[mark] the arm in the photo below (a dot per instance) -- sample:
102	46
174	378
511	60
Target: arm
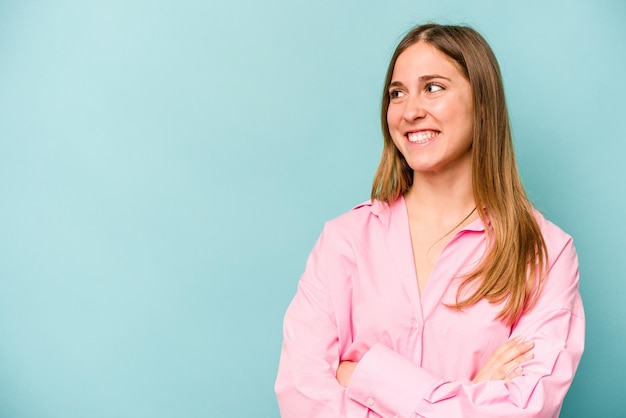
307	382
503	364
306	385
392	385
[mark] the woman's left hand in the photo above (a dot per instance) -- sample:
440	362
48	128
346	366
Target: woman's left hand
344	372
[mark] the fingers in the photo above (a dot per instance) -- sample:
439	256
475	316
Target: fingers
515	352
513	369
505	362
516	372
512	349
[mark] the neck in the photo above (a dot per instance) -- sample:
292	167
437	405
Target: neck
441	197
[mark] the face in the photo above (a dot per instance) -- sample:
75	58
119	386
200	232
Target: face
430	113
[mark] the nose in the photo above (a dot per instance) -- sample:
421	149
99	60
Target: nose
413	109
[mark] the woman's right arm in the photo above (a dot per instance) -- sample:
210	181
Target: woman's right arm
306	385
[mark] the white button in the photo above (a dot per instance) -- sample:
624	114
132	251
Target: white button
370	401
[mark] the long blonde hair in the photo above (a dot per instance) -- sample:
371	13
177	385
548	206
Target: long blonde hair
512	270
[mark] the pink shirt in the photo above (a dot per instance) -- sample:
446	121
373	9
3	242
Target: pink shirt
358	300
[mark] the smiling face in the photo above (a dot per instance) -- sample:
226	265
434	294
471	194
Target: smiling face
430	113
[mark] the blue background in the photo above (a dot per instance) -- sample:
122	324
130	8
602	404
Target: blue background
166	166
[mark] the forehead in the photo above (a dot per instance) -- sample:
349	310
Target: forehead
422	59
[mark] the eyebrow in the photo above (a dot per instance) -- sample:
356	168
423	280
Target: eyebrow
423	78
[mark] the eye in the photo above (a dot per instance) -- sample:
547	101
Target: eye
395	94
433	87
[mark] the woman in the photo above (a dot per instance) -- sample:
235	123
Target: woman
446	295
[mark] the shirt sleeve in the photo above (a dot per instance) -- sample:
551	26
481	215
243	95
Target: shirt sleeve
306	385
393	386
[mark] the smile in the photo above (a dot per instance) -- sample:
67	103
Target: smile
421	137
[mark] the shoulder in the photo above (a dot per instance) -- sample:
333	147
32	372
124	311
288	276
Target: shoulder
562	256
360	224
363	217
356	216
555	238
341	239
560	289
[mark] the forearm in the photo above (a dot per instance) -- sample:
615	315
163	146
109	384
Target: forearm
392	385
306	386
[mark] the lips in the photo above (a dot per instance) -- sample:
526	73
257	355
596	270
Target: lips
422	137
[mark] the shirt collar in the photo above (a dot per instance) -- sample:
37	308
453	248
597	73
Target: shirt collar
384	211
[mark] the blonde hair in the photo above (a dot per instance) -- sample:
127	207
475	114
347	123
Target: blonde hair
512	270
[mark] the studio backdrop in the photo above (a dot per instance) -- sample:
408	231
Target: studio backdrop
166	166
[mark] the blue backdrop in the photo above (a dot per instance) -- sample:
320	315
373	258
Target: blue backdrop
166	166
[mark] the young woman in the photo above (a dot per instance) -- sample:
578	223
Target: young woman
446	295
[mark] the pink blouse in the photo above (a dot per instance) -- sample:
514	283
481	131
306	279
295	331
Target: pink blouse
358	300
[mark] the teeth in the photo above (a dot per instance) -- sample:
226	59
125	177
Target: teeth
422	136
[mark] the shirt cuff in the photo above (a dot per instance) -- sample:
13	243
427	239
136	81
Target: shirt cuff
389	384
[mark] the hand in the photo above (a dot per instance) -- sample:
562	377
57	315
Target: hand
504	363
344	372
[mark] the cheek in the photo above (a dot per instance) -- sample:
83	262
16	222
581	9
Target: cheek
393	117
467	110
447	111
469	124
457	115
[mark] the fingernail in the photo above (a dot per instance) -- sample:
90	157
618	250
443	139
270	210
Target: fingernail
529	343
